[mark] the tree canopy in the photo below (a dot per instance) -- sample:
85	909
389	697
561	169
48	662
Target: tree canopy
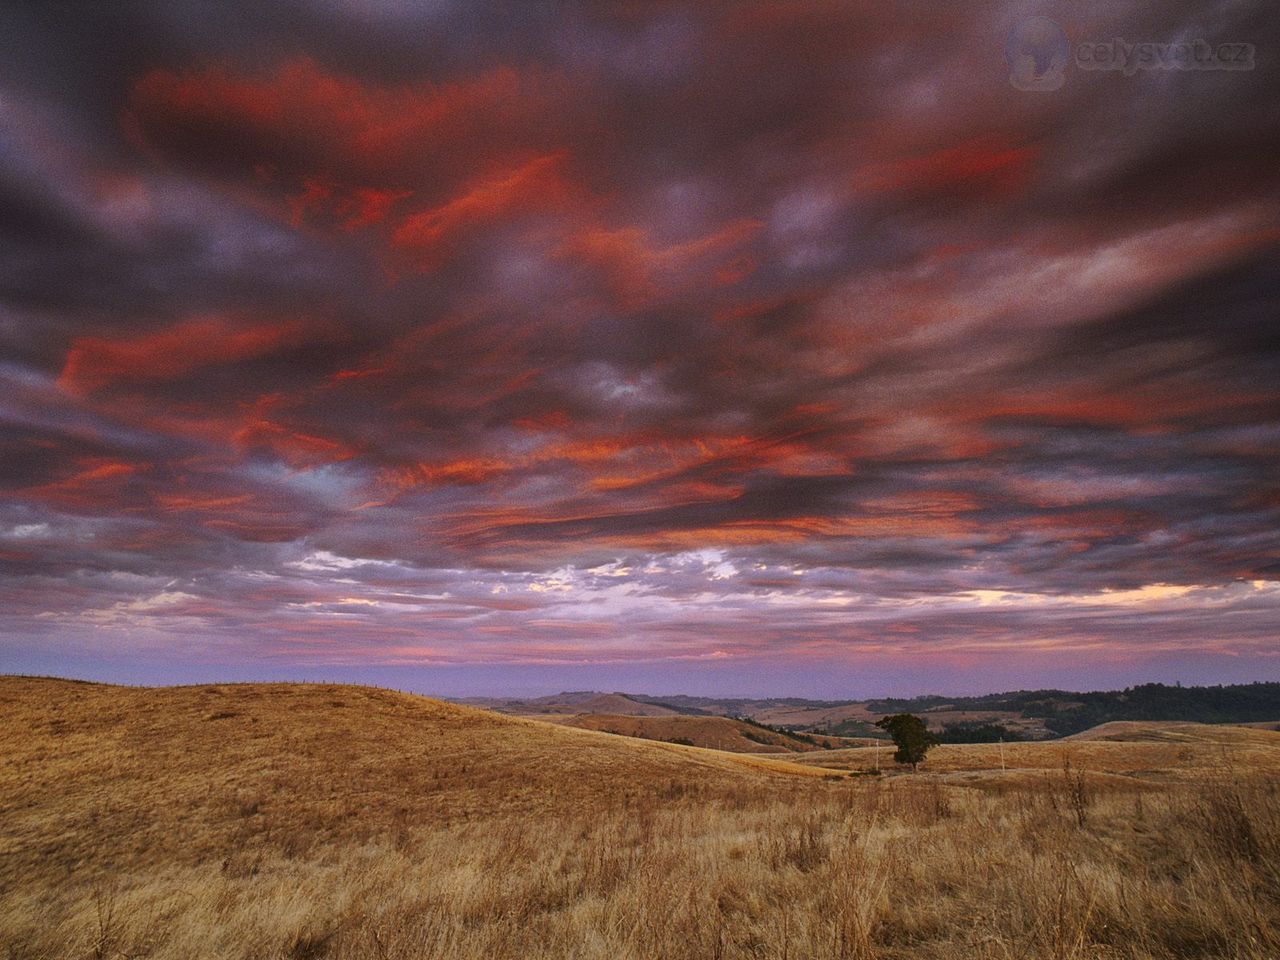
910	735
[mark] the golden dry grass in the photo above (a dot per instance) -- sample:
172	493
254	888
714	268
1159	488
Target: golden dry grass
1136	754
273	821
570	704
716	733
791	715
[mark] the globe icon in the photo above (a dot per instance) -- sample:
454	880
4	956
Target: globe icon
1037	52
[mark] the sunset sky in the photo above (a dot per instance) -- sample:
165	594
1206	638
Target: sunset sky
739	347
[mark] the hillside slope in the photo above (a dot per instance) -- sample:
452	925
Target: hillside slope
1138	751
574	702
274	822
716	733
1172	731
94	775
615	703
1031	714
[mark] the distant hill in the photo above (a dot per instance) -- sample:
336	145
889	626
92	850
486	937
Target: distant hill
1063	712
717	733
1020	714
575	702
1179	731
738	706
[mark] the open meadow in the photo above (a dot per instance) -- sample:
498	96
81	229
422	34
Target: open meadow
309	821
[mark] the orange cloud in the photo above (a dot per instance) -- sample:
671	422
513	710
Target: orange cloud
201	501
653	470
1150	407
360	373
339	149
466	472
95	481
260	427
366	206
985	164
532	185
636	269
96	362
273	423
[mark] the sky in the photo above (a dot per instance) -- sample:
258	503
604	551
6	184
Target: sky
806	348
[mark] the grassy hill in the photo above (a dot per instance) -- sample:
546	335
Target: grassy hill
291	767
1128	756
300	822
717	733
575	702
1022	714
1231	736
1063	712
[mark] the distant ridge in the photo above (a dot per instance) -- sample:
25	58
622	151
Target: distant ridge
1024	714
575	702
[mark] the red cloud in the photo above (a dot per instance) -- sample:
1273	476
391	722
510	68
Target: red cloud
636	269
95	481
264	425
204	501
983	164
95	362
336	147
535	184
366	206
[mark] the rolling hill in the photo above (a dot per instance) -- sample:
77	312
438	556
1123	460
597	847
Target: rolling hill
1126	754
94	774
1023	714
1231	735
575	702
304	822
717	733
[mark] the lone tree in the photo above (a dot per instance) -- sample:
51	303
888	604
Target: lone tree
910	735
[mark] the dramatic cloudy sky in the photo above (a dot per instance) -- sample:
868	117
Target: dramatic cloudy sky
744	347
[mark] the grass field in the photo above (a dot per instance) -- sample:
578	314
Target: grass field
717	733
277	821
1126	755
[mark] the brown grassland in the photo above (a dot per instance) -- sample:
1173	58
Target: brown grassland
719	733
310	821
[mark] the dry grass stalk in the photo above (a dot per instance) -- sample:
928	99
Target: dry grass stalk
268	823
